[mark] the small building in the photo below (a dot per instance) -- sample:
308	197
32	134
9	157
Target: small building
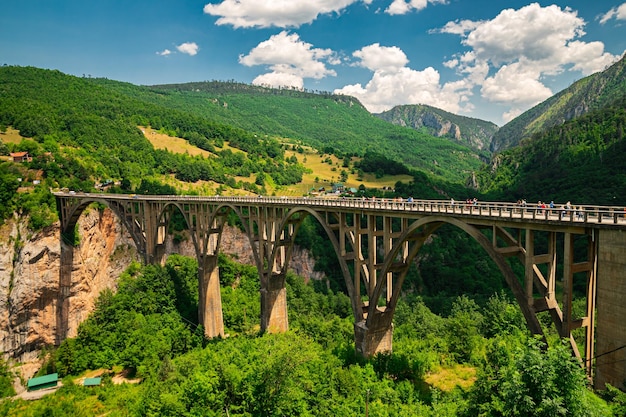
42	382
21	157
92	382
338	187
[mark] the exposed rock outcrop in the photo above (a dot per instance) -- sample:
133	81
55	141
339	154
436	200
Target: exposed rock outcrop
29	274
29	281
467	131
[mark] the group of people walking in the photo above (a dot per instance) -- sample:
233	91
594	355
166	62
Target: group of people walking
565	210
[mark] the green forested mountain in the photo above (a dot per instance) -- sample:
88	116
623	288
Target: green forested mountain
337	124
69	110
588	94
87	131
97	129
582	160
467	131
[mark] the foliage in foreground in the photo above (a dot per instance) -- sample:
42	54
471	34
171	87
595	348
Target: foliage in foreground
311	370
520	379
6	380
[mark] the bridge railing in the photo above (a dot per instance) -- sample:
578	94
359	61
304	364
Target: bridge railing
559	213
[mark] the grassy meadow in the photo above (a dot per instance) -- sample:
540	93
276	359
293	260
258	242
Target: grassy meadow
322	170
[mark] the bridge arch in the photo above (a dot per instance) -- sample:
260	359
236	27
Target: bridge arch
68	226
69	219
164	220
345	270
430	224
271	223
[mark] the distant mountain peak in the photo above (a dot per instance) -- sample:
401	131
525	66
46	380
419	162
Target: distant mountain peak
583	96
467	131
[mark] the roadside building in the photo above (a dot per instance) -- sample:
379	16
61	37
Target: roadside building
92	382
21	157
43	382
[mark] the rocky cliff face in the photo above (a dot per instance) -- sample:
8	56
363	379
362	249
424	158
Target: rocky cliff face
467	131
29	279
29	275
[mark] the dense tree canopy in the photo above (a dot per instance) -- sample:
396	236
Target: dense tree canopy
148	326
579	161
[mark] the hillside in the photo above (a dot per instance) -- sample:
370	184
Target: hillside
588	94
81	132
330	123
581	160
467	131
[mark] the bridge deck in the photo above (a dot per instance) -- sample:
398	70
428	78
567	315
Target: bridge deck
582	215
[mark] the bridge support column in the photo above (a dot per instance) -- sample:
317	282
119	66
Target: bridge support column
373	339
274	304
155	230
65	284
210	298
158	258
610	349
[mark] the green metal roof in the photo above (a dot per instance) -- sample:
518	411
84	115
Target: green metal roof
43	380
90	382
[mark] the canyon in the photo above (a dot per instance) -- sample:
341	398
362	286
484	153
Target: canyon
29	274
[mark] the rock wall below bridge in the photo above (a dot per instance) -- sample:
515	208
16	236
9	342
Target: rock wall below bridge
29	274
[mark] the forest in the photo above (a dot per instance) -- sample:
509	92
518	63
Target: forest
580	160
149	327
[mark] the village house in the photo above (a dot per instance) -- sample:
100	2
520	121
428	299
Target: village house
338	188
21	157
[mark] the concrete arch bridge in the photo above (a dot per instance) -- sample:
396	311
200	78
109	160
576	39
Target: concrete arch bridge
376	241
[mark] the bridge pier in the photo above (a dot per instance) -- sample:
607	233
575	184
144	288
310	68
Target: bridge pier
274	318
376	242
65	284
610	362
377	337
209	297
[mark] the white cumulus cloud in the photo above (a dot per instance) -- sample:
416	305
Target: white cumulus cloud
290	60
164	52
278	13
507	116
458	27
617	13
382	58
394	83
189	48
510	55
279	79
406	6
515	84
533	32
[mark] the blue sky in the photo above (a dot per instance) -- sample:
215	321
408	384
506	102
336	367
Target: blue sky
490	59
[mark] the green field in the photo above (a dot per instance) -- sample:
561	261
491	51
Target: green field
321	173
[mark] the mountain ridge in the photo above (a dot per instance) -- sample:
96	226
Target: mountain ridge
589	93
472	132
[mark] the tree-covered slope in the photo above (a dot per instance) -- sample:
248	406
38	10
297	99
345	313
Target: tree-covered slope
68	115
467	131
84	133
582	160
338	124
478	360
590	93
